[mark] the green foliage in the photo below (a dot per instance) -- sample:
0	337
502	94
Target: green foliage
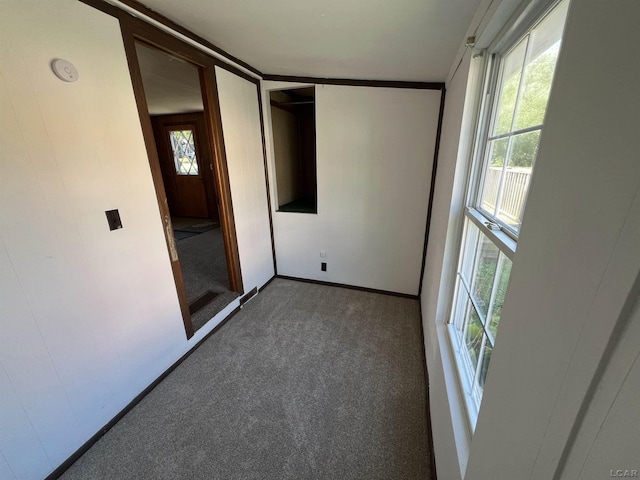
531	108
501	291
474	340
484	281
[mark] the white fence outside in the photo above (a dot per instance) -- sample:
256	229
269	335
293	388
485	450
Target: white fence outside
510	195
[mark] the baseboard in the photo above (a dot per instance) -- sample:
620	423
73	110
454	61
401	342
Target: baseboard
432	457
267	283
351	287
89	443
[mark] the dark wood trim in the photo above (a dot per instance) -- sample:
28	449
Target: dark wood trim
249	296
432	456
164	41
202	301
223	185
134	30
156	173
434	171
162	125
266	178
350	287
267	283
356	83
111	423
103	7
153	36
136	5
186	32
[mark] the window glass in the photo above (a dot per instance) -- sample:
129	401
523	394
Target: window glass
540	66
184	152
484	272
493	176
482	371
473	337
516	106
522	94
509	83
498	293
515	179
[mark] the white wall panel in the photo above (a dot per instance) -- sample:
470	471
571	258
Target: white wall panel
450	431
374	158
14	420
608	437
578	255
575	270
5	470
88	317
239	109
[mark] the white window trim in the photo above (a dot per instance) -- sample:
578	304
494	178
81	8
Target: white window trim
497	234
523	18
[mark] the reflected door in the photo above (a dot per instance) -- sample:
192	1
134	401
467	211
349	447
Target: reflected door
185	167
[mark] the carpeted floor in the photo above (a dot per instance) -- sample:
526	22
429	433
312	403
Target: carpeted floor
305	382
204	267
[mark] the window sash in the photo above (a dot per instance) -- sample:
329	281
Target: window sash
501	234
466	305
487	132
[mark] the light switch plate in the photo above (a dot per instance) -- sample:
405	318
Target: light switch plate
113	218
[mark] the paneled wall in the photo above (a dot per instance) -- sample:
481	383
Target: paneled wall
375	151
90	317
560	400
578	257
450	434
240	112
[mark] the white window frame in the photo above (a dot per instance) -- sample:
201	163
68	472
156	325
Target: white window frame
504	237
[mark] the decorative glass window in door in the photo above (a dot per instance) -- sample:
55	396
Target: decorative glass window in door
184	152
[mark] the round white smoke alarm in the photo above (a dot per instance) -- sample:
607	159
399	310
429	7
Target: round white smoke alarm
64	70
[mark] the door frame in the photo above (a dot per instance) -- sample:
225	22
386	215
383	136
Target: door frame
136	31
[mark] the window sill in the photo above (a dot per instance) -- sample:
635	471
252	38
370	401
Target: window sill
470	406
462	432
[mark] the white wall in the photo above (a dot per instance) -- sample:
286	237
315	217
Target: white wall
574	273
239	108
577	230
451	434
374	156
608	437
88	317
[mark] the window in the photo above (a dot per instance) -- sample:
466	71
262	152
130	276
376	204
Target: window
518	83
294	143
184	152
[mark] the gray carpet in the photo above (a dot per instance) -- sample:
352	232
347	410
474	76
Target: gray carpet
306	382
204	267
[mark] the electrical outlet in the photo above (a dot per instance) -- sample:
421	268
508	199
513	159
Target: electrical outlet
323	266
323	254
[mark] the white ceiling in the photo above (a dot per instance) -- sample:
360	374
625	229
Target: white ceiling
413	40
